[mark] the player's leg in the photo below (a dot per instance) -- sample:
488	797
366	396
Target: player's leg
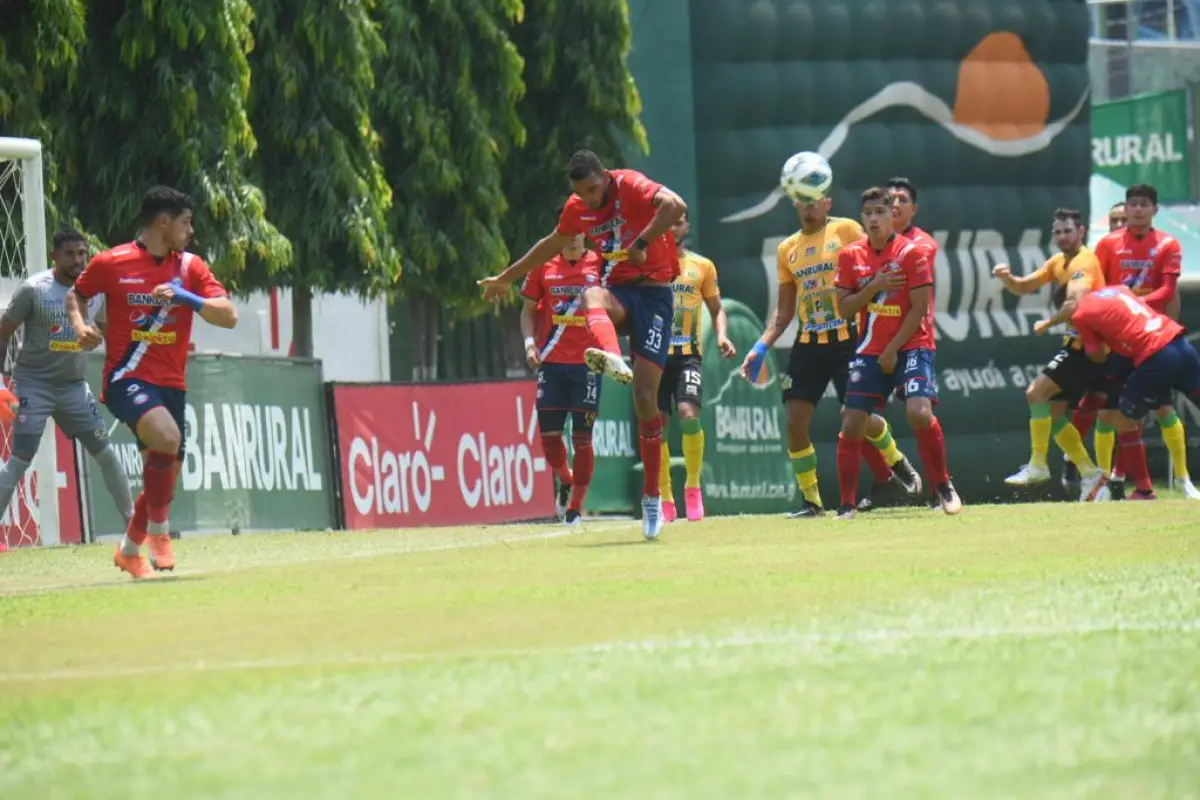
1084	419
1175	438
555	390
690	394
37	403
666	402
78	416
803	385
918	387
605	312
1038	394
1093	485
584	465
889	467
1111	384
867	389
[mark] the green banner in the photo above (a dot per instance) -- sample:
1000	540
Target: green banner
257	450
1144	139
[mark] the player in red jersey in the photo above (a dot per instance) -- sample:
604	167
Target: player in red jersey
152	288
1115	319
1147	261
887	278
556	336
629	217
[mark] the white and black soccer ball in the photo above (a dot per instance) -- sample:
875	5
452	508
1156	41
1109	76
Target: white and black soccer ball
806	177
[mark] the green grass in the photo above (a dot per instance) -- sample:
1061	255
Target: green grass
1031	651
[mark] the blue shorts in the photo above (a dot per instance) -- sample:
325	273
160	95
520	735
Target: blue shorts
130	399
1114	372
649	311
568	387
868	387
1150	386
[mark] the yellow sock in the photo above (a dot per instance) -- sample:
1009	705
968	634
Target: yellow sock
1068	438
1106	442
804	466
693	455
1175	438
1039	434
886	445
664	474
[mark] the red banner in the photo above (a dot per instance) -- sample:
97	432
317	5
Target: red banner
460	454
19	522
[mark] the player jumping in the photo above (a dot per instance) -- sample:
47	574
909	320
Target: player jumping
682	383
629	217
555	331
152	289
806	266
1070	374
1118	320
887	278
50	378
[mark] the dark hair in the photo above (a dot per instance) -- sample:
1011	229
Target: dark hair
876	194
583	164
905	184
1064	214
1142	190
1115	206
65	236
163	200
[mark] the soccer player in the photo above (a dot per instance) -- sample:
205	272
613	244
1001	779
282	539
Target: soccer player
1070	374
887	278
152	289
50	377
1116	319
806	266
682	385
904	208
1147	261
555	332
629	217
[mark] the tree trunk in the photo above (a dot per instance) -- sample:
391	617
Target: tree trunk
302	324
424	321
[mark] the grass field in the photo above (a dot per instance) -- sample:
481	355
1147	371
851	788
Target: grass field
1033	651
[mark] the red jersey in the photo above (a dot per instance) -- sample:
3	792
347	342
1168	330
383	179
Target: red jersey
1116	317
1140	262
560	326
858	263
616	226
145	338
921	238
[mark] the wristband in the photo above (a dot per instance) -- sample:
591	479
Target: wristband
529	342
758	358
186	298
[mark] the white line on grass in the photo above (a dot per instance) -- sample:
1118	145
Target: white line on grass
810	641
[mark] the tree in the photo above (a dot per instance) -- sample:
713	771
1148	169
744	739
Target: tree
319	165
449	83
160	97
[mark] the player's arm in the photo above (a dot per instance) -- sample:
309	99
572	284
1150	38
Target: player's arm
528	326
545	249
716	309
851	301
1024	284
1169	263
785	300
670	207
91	282
210	300
1110	266
19	309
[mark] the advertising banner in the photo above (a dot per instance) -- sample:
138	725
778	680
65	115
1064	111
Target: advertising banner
1144	139
19	525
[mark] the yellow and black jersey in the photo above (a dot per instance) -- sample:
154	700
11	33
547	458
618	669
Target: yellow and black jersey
696	283
810	261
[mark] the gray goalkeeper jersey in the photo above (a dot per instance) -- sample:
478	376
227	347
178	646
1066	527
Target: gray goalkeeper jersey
50	350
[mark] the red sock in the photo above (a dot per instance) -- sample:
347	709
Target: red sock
849	454
650	443
877	463
556	455
159	485
584	466
1133	459
1118	462
603	330
932	446
137	526
1083	420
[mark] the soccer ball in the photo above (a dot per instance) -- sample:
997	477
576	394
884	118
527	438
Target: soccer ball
806	177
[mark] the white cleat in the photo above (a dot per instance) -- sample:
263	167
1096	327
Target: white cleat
1028	475
652	518
1189	490
948	499
610	364
1093	488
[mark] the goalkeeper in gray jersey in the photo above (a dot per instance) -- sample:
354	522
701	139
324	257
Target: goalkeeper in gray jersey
50	379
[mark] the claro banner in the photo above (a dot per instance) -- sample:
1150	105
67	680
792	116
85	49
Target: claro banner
459	454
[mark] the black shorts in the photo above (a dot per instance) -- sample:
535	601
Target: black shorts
682	382
130	399
1111	380
811	368
1073	373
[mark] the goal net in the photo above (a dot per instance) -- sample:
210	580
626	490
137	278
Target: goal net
31	517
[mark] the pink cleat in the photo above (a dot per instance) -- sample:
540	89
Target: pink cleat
670	514
695	504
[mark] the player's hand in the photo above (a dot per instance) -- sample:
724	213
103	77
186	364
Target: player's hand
635	256
1002	271
494	288
887	361
89	337
164	292
726	347
532	357
1041	326
887	281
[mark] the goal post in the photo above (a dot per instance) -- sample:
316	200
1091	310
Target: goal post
32	515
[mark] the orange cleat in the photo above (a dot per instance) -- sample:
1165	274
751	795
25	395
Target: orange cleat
161	557
134	565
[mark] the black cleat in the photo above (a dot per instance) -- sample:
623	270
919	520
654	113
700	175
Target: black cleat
1070	477
572	517
561	501
846	513
1116	490
908	477
881	495
809	510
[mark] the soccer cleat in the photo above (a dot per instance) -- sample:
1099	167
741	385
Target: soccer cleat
1138	494
611	364
161	557
573	519
948	499
809	510
134	565
694	501
907	475
1188	488
561	499
1070	476
1093	488
652	519
1028	475
1116	490
670	513
880	495
846	513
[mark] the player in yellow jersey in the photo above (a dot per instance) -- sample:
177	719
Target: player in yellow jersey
1073	272
682	382
806	267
